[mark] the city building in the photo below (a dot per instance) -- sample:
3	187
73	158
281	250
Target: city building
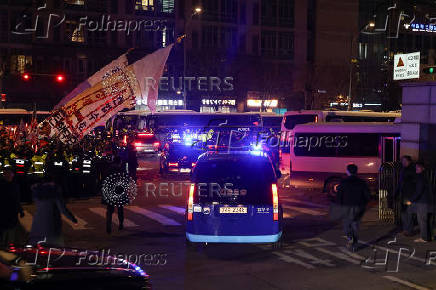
399	27
48	47
251	55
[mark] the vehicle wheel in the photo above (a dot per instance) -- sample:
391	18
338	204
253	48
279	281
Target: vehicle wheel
331	187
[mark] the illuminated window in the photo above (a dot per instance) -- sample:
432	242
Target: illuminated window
145	5
73	32
167	6
75	2
20	63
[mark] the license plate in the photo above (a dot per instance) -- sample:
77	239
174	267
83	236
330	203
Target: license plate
233	210
185	170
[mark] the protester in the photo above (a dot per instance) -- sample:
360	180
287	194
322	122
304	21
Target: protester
10	207
353	195
421	203
47	223
406	188
116	167
132	160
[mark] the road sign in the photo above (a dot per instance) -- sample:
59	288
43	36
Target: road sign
406	66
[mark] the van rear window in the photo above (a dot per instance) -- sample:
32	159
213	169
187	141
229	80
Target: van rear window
293	120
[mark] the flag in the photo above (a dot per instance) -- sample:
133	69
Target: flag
148	72
32	133
116	91
105	72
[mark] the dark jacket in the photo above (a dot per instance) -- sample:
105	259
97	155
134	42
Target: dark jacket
423	190
407	183
353	192
10	205
47	222
132	160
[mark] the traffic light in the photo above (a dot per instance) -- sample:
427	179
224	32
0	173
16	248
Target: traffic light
60	78
430	70
25	76
3	97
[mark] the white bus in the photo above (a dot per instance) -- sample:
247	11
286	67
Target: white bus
320	152
13	117
293	118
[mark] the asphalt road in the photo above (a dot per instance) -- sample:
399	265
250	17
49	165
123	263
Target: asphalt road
313	255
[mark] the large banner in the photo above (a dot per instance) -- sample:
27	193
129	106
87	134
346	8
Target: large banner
117	89
93	106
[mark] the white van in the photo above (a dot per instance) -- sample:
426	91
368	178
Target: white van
320	152
294	118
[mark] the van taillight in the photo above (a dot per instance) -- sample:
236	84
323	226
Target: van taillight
191	201
275	202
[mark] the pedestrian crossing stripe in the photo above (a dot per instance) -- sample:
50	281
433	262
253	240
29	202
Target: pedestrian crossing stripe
176	209
81	223
304	210
290	212
154	216
102	212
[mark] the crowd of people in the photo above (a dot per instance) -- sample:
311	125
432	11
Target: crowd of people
415	199
49	172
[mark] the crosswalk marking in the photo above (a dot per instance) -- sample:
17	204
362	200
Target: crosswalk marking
405	283
176	209
303	210
102	212
341	256
289	199
154	216
81	223
26	221
289	259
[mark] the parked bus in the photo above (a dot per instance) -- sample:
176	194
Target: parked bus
320	152
13	117
294	118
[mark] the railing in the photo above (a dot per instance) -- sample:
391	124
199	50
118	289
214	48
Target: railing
389	203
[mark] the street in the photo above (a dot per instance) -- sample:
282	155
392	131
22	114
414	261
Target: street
313	253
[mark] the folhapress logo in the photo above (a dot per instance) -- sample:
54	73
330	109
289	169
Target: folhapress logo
28	26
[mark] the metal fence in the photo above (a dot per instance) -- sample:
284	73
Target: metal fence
389	205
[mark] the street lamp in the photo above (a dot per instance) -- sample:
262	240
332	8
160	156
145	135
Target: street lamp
197	11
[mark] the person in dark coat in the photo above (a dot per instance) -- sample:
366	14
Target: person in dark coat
115	167
406	188
10	207
353	195
47	222
132	159
421	203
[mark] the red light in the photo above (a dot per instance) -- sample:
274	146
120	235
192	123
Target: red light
138	144
175	164
146	134
191	201
275	202
26	77
156	144
125	139
3	97
60	78
193	164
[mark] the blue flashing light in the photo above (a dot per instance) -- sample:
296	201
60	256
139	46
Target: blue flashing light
257	147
